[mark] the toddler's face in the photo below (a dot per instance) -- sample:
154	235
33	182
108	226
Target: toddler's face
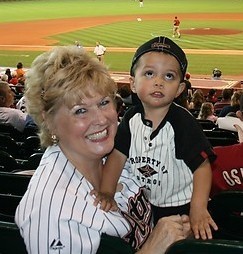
157	79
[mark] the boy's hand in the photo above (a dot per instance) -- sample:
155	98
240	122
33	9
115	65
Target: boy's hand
105	200
201	223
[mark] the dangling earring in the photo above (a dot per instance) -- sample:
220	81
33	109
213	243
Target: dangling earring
54	139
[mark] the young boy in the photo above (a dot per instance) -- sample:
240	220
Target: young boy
163	142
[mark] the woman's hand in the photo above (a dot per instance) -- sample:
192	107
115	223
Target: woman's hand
167	231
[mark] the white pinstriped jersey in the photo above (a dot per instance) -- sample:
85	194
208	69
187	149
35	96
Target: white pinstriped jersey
164	160
57	215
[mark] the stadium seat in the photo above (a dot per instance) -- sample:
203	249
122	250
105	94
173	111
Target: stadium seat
192	246
9	130
14	184
8	163
11	241
207	124
9	145
219	137
33	161
114	245
8	205
226	209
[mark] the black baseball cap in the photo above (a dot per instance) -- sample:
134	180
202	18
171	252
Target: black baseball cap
161	44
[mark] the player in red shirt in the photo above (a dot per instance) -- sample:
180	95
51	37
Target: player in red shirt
176	27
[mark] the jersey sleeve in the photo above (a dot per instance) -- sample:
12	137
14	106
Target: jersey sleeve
123	136
191	143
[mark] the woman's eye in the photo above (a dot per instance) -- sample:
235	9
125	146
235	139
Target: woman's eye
105	102
80	111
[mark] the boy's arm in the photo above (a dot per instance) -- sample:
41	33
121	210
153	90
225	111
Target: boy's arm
111	173
199	216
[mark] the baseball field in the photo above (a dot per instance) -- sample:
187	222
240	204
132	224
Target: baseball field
212	30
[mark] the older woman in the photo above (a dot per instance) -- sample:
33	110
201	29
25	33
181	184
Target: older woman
71	97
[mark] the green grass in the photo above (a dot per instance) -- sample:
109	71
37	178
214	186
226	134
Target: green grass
120	62
51	9
133	33
118	35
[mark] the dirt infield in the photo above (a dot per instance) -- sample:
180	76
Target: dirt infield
210	31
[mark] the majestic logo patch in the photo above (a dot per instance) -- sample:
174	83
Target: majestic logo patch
147	171
56	245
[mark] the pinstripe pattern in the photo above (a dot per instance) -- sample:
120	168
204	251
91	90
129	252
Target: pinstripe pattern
56	214
172	176
163	160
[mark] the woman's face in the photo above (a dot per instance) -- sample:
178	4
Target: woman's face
87	130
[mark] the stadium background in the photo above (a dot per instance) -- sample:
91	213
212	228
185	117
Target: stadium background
212	30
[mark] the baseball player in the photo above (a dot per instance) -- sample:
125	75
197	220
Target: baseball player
99	51
176	27
166	148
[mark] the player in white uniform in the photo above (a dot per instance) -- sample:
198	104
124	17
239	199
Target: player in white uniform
71	96
167	150
99	51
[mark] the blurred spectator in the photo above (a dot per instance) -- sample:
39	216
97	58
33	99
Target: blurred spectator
9	115
234	104
14	79
8	72
196	102
228	122
211	96
120	107
77	43
225	100
216	73
126	95
188	86
239	114
21	104
182	99
227	168
4	78
20	72
185	97
207	112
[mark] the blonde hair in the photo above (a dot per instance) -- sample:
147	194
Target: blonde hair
63	76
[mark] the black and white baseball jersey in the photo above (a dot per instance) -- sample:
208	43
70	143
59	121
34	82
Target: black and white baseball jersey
164	160
57	215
